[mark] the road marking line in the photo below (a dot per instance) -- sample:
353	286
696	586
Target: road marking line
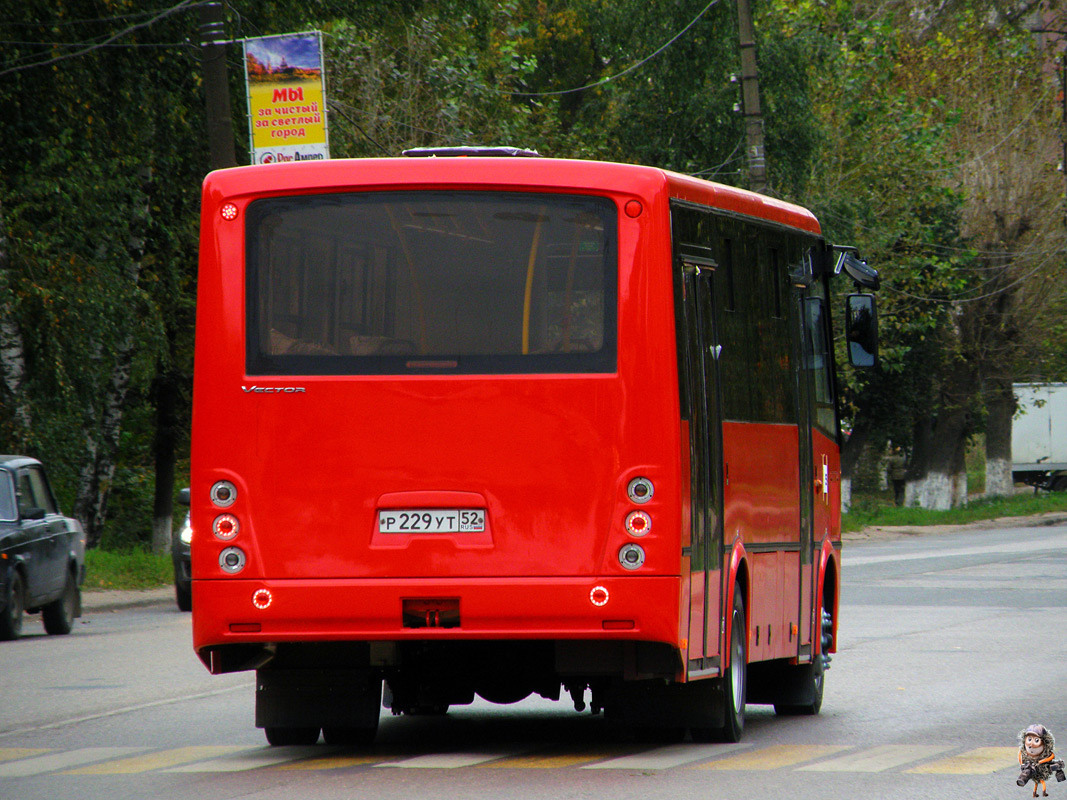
445	760
674	755
981	761
59	761
159	760
876	759
774	757
253	758
12	753
556	758
334	762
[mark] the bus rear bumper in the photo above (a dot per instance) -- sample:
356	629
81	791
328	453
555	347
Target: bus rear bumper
238	612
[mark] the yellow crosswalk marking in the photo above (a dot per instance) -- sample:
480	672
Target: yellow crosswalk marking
333	762
159	760
876	759
11	753
774	757
982	761
913	759
556	758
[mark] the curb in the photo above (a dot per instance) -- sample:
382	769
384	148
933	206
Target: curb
100	600
900	531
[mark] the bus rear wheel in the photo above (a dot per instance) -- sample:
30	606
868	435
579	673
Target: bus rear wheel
736	678
733	687
808	680
284	737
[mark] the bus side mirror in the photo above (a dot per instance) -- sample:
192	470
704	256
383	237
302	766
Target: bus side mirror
861	330
183	496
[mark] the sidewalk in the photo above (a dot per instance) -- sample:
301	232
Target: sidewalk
100	600
899	531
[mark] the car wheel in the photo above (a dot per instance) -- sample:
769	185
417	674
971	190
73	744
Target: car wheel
184	597
11	616
59	615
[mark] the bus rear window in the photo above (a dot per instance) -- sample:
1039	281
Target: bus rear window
431	281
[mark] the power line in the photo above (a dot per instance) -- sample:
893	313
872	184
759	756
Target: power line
337	107
181	6
617	75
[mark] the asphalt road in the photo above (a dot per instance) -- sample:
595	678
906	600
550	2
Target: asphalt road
950	644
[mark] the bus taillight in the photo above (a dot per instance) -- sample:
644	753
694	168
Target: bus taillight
640	490
638	523
232	560
225	526
223	493
228	212
632	556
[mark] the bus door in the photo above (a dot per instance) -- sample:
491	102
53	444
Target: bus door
816	418
700	390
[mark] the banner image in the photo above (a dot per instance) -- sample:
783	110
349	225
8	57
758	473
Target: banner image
286	98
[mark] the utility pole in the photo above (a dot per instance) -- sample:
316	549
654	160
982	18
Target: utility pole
757	168
216	85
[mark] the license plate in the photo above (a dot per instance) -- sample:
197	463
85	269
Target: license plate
432	520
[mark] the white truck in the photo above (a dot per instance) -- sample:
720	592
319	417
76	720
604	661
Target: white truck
1039	436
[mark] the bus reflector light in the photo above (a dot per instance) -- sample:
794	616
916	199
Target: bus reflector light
262	598
640	490
225	526
223	493
638	523
599	596
619	625
632	556
245	627
232	560
228	212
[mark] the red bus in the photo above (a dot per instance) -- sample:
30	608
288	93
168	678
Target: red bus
503	425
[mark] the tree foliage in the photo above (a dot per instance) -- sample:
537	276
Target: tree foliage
925	133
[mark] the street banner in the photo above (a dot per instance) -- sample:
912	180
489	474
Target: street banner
286	98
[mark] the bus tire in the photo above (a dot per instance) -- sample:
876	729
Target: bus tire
810	679
349	736
284	737
735	680
814	676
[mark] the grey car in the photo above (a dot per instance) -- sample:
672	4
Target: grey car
42	552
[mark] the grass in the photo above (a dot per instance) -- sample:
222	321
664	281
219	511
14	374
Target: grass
879	510
128	569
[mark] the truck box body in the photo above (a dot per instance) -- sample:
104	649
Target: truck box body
1039	434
